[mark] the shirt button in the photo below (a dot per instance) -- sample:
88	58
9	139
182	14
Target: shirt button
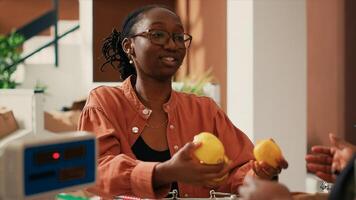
135	129
176	147
186	195
171	126
145	111
166	107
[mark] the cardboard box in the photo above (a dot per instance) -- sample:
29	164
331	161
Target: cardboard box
8	122
56	121
78	104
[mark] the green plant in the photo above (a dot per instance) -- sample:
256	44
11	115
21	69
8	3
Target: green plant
9	54
40	86
195	83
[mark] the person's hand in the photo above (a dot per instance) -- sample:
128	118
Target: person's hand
254	189
185	167
343	153
324	160
319	162
266	171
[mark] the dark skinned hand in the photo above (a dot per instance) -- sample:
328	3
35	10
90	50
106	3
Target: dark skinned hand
326	162
185	167
266	171
319	162
343	153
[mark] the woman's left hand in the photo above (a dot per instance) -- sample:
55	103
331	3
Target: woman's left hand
266	171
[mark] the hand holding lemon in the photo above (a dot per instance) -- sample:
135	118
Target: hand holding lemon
269	159
210	170
211	152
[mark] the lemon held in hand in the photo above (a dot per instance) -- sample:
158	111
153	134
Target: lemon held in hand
268	151
211	150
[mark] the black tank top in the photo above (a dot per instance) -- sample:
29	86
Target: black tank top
145	153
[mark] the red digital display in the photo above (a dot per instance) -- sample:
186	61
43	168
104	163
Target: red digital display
56	155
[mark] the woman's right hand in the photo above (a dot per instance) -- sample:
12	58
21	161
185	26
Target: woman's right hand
185	167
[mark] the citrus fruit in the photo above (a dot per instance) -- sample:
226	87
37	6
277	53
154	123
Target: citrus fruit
211	150
268	151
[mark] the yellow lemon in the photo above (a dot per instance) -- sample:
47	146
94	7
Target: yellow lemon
267	150
211	150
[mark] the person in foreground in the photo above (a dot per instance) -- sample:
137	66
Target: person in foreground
334	164
144	128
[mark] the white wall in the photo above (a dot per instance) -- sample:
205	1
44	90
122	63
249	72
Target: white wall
62	81
267	76
280	80
240	64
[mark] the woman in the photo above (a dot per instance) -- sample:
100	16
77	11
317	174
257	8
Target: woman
145	129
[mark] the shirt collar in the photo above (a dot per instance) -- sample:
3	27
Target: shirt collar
131	96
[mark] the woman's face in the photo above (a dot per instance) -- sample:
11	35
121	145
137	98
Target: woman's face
155	60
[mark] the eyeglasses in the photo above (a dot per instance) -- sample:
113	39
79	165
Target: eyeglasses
182	40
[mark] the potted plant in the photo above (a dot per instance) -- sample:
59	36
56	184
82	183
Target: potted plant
9	54
195	84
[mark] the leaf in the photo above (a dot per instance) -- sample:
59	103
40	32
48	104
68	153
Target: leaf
9	54
195	84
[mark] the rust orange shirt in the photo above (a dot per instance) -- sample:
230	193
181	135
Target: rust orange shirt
117	117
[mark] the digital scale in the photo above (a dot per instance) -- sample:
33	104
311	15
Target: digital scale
36	164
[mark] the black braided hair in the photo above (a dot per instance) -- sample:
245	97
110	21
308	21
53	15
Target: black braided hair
112	49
